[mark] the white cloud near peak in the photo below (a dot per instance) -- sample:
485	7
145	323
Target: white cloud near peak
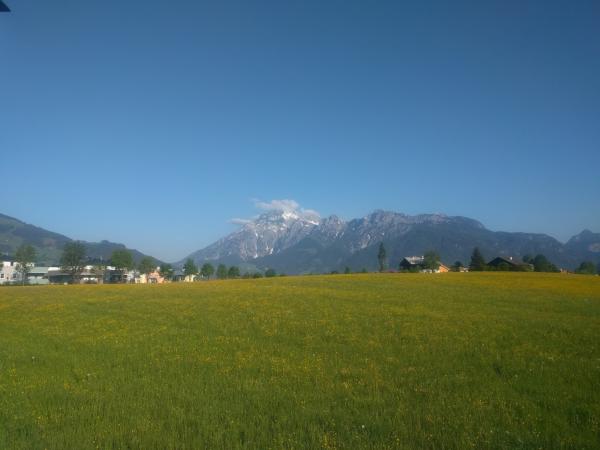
238	221
278	205
283	205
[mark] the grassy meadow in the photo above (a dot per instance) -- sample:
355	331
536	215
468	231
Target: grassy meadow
488	360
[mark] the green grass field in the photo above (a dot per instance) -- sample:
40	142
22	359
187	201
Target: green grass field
492	360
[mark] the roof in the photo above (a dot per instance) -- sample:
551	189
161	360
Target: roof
33	270
57	273
414	260
508	260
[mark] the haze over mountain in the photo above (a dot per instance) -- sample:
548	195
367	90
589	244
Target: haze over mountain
49	244
293	240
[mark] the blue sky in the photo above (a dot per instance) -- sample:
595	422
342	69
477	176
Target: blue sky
155	123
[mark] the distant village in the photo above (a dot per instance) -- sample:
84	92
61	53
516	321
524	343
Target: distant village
22	270
10	273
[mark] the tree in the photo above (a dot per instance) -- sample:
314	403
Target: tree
270	273
24	257
431	261
73	259
541	264
346	270
233	272
190	268
122	260
528	259
477	261
586	268
166	271
257	275
221	271
456	266
207	270
382	257
147	265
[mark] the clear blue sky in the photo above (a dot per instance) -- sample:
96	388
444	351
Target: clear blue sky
154	123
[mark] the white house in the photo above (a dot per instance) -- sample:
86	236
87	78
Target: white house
9	273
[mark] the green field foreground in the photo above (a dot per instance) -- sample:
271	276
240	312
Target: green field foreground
489	360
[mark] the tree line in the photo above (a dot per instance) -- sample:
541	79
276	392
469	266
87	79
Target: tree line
222	272
73	261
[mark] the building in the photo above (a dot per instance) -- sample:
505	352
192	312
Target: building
412	263
178	275
152	278
443	268
9	273
39	274
89	275
417	264
509	263
58	276
114	275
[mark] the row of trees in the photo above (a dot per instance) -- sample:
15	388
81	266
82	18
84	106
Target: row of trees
73	261
222	272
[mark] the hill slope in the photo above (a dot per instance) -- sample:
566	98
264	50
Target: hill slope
48	244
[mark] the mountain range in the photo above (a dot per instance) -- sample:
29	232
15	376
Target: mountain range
295	242
49	245
298	241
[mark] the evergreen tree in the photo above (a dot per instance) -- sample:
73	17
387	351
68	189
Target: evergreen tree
541	264
166	271
477	261
586	268
346	270
190	268
221	271
382	257
207	270
233	272
270	273
147	265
